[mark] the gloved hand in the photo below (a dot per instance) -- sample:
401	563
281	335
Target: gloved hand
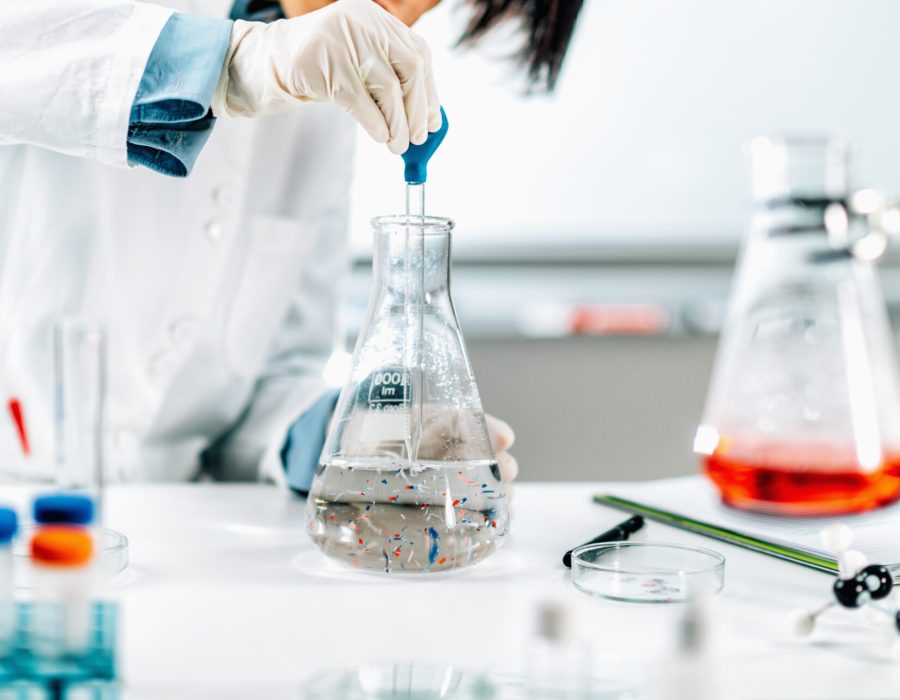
352	52
502	438
447	435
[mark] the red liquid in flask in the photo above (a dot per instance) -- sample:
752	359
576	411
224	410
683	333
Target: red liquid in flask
792	479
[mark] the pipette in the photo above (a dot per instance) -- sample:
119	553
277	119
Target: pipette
415	173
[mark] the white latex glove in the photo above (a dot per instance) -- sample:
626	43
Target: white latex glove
447	435
353	53
502	438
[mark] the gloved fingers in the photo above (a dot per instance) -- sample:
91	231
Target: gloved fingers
384	87
410	70
433	102
509	467
502	435
363	109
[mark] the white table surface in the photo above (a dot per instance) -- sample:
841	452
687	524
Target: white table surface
226	597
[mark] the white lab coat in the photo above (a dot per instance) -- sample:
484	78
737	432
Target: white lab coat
218	291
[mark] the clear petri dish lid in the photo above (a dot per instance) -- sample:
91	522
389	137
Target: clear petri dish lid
411	681
112	557
647	572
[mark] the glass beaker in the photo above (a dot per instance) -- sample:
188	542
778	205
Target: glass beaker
407	480
803	412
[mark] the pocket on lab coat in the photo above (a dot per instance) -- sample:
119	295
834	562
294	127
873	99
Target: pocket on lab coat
269	278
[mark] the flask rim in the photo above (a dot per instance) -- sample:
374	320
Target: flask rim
427	225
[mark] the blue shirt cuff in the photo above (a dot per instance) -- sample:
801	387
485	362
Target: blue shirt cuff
182	71
170	151
303	446
170	117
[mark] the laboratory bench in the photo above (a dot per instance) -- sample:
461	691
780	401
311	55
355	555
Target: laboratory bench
226	597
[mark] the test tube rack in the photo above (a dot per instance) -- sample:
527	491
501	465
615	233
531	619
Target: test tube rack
88	675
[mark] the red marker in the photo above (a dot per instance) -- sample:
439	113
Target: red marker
18	417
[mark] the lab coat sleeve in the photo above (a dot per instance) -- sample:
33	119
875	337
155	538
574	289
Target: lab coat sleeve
170	117
70	70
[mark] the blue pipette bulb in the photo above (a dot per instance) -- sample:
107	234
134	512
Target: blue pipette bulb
416	157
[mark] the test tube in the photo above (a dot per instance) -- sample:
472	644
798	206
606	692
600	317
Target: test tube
558	662
80	388
60	624
9	525
80	363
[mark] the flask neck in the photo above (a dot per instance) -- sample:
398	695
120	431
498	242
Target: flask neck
799	185
805	171
412	264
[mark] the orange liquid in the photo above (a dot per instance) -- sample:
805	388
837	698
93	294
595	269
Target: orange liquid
791	479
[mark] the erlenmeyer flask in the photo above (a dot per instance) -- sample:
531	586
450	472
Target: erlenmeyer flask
407	480
803	412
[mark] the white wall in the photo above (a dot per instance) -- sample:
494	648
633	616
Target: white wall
643	139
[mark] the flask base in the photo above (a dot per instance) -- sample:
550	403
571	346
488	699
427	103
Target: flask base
415	520
797	488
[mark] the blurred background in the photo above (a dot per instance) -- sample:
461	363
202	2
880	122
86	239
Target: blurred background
597	228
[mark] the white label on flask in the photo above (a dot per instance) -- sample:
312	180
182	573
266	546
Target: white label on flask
387	418
386	425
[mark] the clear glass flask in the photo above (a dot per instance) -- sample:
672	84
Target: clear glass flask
407	480
803	411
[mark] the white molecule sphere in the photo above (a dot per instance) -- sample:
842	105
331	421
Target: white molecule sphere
877	618
837	537
895	650
802	623
851	563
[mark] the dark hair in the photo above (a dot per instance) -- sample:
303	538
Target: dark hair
548	24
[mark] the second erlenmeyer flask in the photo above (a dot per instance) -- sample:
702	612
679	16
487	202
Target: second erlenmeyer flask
408	481
803	413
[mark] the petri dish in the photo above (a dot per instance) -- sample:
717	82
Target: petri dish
411	681
113	555
647	572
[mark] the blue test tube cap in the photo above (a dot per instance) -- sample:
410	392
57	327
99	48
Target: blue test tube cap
416	158
9	525
64	508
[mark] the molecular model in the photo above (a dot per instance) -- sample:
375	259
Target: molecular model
858	585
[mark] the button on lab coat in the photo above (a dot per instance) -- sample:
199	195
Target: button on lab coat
218	291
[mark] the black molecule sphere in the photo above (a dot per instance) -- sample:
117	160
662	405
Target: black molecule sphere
851	592
881	574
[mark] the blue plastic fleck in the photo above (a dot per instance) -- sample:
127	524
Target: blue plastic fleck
435	545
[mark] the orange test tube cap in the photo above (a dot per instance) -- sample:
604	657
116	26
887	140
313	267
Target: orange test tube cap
61	546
